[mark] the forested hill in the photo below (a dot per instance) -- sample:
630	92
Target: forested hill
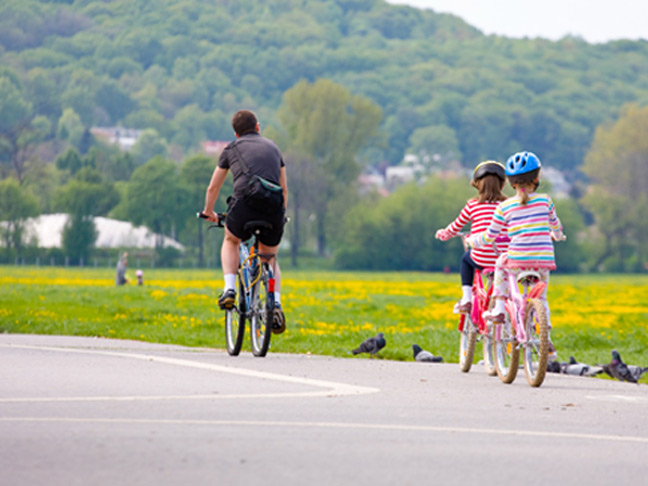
183	66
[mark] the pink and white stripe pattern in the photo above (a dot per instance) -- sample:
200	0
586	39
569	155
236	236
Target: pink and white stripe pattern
529	228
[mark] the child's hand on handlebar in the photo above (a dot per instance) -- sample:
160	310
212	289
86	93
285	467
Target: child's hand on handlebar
442	235
558	235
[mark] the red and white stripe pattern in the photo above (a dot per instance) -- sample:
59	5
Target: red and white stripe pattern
479	215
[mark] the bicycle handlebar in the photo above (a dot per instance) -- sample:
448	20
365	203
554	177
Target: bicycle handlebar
221	218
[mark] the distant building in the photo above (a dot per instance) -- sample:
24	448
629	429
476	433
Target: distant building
48	228
124	137
213	147
559	185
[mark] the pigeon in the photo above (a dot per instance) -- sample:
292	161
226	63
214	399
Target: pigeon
618	369
637	371
371	345
421	355
555	366
580	369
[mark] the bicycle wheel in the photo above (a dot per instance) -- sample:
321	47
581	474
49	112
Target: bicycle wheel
467	340
489	351
261	315
235	322
507	353
536	348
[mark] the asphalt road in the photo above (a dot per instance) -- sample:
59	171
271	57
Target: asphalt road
82	411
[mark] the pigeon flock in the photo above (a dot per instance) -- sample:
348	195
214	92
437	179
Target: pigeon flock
615	368
374	344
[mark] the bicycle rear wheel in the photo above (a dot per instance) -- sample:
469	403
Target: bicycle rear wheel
261	309
536	348
235	322
467	340
507	353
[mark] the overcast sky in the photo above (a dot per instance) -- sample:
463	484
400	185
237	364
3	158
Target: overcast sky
593	20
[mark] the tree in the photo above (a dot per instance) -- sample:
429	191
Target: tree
435	145
149	145
326	123
195	174
155	198
16	206
85	196
618	198
20	129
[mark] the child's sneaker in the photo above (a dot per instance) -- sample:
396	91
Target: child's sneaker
462	307
552	355
493	315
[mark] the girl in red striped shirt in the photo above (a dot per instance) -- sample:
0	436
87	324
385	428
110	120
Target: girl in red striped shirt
489	179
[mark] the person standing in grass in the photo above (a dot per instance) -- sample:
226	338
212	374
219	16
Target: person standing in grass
532	222
489	179
121	278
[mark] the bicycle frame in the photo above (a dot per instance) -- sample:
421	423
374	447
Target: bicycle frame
481	297
516	304
250	264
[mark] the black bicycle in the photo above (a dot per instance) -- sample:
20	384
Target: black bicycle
255	297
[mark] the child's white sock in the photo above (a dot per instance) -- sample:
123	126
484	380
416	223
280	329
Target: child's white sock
466	296
277	297
230	281
499	308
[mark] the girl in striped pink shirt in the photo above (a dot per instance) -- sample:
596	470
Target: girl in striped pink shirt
489	179
530	219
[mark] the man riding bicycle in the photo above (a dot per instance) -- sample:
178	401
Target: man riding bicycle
257	168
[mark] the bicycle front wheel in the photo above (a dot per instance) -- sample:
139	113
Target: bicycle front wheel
261	309
507	353
536	349
467	340
235	323
489	351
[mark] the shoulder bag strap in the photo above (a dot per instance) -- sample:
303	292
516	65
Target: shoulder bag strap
240	158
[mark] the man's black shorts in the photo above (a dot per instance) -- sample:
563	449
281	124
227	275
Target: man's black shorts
238	213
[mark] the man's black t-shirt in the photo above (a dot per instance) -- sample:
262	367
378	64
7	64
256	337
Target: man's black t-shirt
262	157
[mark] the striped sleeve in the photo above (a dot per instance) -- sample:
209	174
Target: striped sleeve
497	224
554	222
462	220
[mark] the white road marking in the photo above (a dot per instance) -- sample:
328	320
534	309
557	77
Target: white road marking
337	425
332	389
618	398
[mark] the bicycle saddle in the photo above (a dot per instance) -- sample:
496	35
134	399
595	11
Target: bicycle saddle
254	226
528	275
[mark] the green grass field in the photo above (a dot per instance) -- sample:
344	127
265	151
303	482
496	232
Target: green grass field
328	313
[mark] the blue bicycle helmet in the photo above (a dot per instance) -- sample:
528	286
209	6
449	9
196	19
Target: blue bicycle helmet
521	163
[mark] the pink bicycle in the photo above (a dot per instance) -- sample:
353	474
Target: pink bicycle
526	326
472	325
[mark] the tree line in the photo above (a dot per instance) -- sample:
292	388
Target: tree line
324	127
341	85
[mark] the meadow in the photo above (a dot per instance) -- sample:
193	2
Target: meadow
328	313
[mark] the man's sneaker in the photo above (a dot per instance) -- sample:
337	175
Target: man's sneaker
278	320
227	299
462	307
